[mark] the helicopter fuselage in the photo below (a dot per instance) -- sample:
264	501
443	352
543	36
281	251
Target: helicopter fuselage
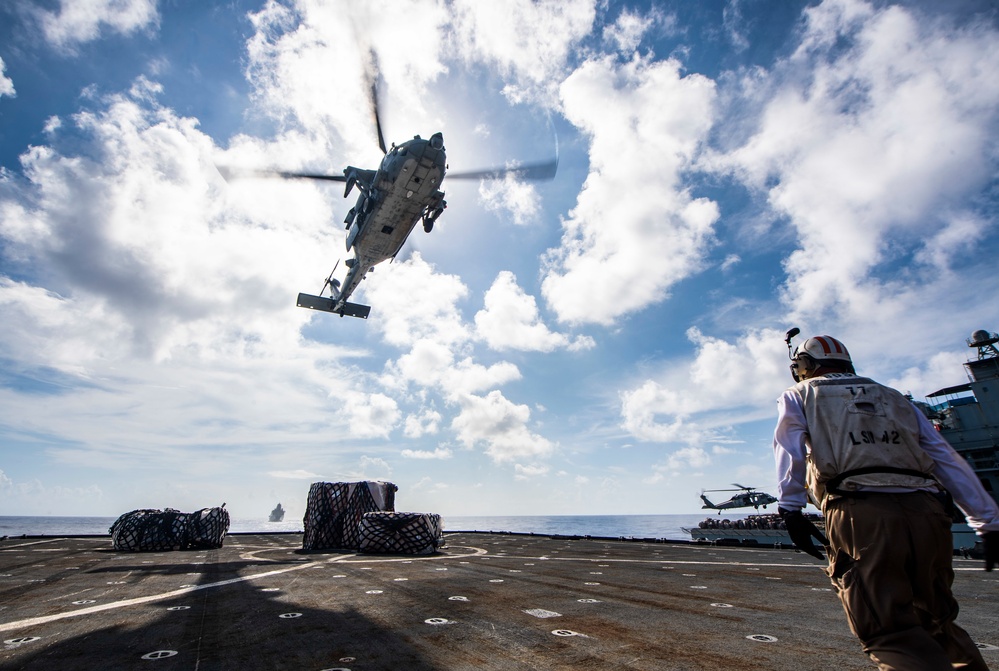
403	191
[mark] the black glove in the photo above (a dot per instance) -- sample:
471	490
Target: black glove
990	539
802	531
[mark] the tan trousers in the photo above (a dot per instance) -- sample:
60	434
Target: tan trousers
891	565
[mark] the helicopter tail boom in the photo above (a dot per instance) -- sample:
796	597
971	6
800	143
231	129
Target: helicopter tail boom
330	305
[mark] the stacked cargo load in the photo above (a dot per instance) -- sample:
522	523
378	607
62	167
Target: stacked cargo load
334	511
149	530
400	533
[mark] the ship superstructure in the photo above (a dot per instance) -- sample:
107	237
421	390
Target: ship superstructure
967	415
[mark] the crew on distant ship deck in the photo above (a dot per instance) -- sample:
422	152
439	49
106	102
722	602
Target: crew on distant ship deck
883	478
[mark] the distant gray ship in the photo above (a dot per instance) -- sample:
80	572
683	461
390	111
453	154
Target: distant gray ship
277	514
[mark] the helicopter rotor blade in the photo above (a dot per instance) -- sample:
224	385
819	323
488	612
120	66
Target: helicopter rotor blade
371	77
249	173
310	175
544	170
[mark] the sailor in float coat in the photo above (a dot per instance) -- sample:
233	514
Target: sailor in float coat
881	474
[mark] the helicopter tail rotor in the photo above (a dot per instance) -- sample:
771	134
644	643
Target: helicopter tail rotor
333	284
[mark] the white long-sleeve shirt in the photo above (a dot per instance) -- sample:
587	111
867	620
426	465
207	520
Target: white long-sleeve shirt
951	469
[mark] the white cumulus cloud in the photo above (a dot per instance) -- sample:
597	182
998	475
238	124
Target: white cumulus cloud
620	249
79	21
6	83
510	321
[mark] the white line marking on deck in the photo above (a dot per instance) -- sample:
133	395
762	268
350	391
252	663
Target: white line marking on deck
34	621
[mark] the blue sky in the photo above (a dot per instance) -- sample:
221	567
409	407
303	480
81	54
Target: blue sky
610	342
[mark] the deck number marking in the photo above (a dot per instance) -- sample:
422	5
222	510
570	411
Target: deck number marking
542	613
22	640
722	605
179	608
288	616
457	598
588	601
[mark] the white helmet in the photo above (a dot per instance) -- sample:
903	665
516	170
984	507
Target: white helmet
820	350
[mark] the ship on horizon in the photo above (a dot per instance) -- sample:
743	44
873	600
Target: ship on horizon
277	514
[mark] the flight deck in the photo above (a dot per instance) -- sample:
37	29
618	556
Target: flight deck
485	601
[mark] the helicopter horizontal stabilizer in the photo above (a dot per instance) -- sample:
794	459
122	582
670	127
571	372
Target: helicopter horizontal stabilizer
326	305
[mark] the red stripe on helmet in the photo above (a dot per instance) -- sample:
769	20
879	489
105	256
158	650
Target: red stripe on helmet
830	344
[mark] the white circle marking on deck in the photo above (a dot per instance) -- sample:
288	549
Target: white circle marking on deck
568	632
457	598
22	640
591	583
588	600
722	605
374	591
83	602
159	654
762	638
496	580
289	616
437	620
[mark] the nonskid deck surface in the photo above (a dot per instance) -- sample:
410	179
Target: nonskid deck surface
487	601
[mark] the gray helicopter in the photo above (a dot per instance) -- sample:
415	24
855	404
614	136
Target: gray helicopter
404	190
748	497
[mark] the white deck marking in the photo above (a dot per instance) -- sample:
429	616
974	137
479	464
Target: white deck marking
45	619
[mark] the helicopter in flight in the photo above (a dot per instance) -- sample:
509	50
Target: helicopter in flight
404	190
748	497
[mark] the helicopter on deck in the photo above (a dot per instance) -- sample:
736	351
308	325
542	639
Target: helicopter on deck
404	190
748	497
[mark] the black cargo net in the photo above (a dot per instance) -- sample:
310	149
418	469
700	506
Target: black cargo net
402	533
168	529
334	512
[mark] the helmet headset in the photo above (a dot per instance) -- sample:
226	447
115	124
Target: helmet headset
816	353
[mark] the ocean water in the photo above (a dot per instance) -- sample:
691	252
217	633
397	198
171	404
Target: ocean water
629	526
